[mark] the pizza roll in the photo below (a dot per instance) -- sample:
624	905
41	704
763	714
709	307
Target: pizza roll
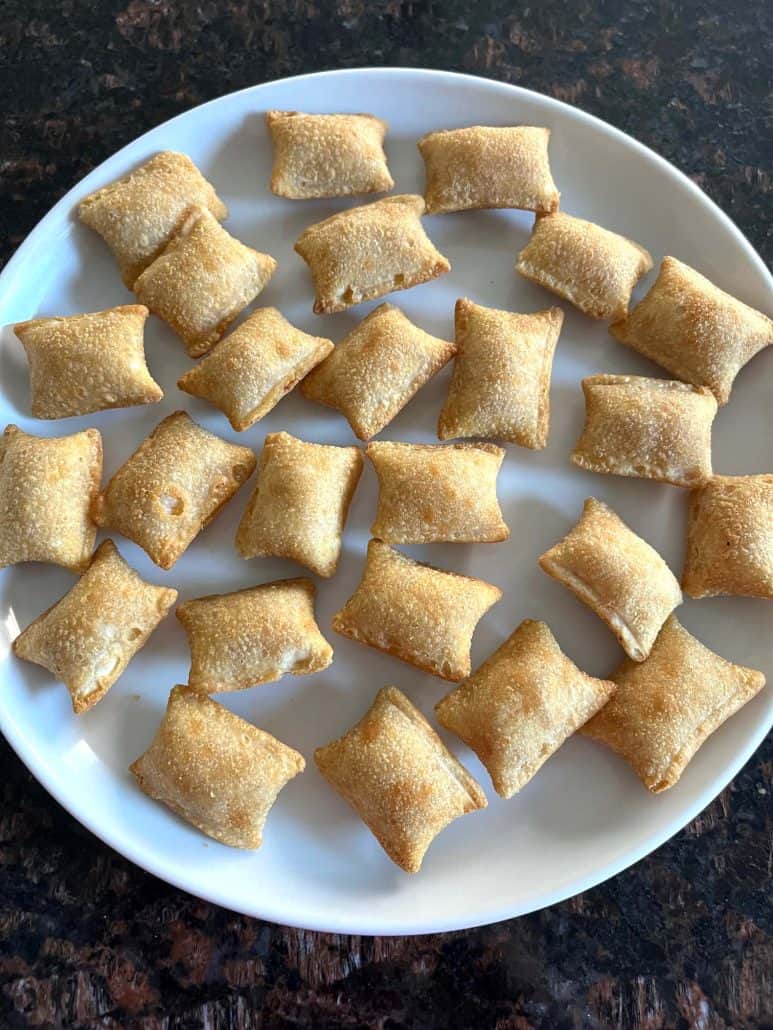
300	502
173	485
591	267
84	363
373	373
693	329
89	636
202	280
47	488
253	636
367	251
521	705
617	574
252	369
665	708
501	382
217	771
488	167
327	155
651	428
730	538
399	777
433	493
415	612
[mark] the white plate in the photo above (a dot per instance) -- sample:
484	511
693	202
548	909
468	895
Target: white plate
585	816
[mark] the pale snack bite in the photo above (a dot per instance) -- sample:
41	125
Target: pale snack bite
415	612
650	428
693	329
519	707
501	382
217	771
202	280
488	167
253	636
173	485
591	267
327	155
300	502
87	638
730	538
617	574
430	493
665	708
252	368
47	489
368	251
399	777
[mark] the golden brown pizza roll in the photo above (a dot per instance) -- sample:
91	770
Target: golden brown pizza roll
696	331
617	574
373	373
89	636
136	215
730	538
173	485
665	708
327	155
217	771
399	777
47	488
487	167
252	369
253	636
300	502
501	382
202	280
415	612
650	428
367	251
521	705
431	493
591	267
84	363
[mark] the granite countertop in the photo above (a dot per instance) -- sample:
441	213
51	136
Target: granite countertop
682	939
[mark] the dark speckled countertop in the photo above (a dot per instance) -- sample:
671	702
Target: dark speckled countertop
680	940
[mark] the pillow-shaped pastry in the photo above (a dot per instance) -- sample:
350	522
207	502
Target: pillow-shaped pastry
300	502
173	485
521	705
664	708
367	251
591	267
693	329
617	574
415	612
253	636
650	428
84	363
373	373
89	637
137	214
202	280
399	777
47	488
487	167
217	771
730	538
252	369
327	155
431	493
501	382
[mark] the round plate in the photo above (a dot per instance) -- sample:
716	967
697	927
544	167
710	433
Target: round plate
585	816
